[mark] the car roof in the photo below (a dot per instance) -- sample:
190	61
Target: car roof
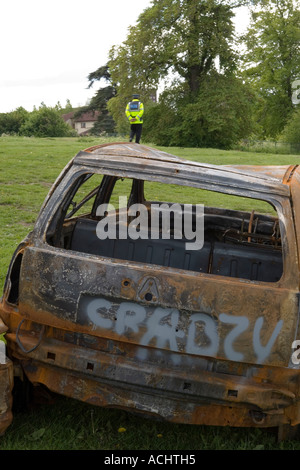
138	161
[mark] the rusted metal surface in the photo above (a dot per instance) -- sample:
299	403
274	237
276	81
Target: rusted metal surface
6	385
6	388
200	347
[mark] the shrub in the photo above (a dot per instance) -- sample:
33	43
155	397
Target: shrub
45	122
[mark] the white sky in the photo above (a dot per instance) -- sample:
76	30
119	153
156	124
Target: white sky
49	48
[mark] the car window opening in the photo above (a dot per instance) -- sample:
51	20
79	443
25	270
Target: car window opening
240	240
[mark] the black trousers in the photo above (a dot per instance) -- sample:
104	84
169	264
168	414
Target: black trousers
135	130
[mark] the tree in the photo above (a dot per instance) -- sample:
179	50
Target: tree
181	38
190	42
105	122
272	61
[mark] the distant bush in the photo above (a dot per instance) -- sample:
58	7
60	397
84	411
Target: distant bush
45	122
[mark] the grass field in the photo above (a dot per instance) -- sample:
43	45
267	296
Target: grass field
28	167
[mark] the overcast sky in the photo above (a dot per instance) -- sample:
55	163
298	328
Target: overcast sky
48	48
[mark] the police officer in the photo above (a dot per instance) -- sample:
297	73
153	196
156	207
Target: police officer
134	112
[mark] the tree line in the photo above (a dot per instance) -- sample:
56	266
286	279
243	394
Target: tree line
41	122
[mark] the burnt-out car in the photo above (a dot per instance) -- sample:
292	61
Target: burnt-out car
110	300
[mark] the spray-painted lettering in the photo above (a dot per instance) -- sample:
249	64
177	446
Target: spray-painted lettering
162	328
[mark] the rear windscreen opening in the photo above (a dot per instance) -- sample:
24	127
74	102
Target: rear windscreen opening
241	236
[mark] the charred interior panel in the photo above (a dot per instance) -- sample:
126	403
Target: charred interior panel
229	250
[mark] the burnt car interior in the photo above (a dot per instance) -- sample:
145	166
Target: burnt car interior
237	243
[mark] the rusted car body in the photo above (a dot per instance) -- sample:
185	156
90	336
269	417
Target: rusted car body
193	336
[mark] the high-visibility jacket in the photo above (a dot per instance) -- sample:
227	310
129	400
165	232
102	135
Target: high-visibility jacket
135	112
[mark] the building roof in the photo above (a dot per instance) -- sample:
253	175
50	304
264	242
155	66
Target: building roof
90	116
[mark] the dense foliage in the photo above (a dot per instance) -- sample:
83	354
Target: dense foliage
291	131
272	63
10	123
217	116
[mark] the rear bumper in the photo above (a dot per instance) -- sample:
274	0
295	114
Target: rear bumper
176	388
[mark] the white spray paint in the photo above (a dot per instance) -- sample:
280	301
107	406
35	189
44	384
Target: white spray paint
162	329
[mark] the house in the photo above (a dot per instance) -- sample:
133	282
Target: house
83	123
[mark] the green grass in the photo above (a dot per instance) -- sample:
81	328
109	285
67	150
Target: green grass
28	167
71	425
